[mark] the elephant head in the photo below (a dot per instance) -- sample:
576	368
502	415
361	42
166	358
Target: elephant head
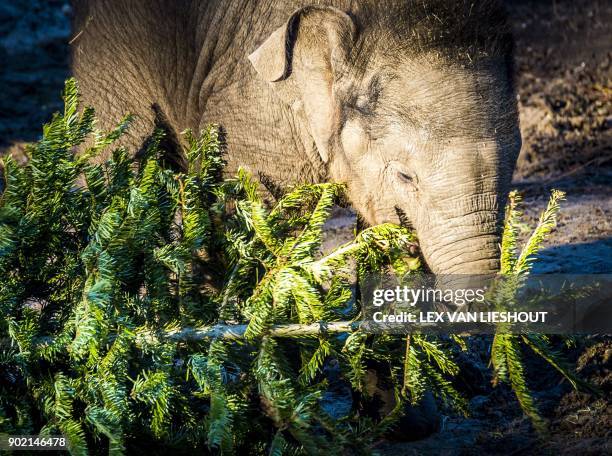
414	109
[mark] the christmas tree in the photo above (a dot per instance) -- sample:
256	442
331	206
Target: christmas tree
144	308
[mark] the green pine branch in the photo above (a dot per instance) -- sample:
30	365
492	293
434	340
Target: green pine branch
143	307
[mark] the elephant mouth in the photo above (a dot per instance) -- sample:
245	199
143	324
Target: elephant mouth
455	257
403	219
413	248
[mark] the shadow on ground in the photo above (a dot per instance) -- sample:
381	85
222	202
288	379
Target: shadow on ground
583	258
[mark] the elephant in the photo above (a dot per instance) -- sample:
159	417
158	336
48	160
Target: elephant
410	103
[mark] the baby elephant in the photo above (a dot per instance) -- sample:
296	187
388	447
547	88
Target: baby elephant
411	103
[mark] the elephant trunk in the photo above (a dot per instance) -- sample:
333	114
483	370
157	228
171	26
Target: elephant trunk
469	249
473	255
462	219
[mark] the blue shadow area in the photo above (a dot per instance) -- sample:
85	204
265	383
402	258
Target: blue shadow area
583	258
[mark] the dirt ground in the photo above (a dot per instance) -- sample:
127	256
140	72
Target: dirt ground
564	54
34	60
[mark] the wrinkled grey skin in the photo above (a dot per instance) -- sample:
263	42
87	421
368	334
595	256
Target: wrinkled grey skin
411	103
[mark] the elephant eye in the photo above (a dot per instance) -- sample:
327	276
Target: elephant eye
405	177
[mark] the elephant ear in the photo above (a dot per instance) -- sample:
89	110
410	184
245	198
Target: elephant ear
302	59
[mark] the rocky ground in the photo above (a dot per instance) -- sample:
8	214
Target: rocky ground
564	53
